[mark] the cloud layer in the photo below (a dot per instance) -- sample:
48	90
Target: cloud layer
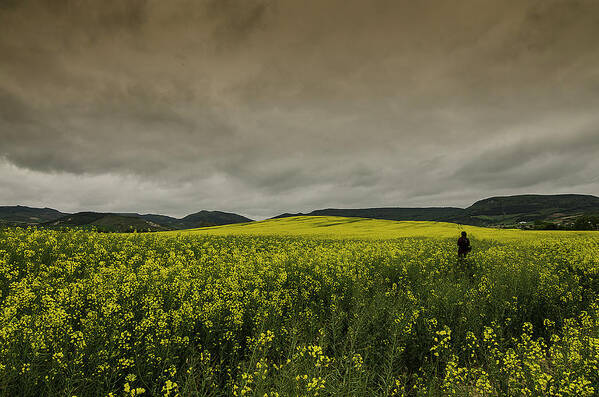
261	107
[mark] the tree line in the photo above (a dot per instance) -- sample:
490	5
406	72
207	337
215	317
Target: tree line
583	222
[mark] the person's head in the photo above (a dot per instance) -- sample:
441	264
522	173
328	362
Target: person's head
463	234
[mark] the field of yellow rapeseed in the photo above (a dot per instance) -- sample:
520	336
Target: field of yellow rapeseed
360	228
290	307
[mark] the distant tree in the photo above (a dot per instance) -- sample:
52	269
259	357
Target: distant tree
543	225
586	222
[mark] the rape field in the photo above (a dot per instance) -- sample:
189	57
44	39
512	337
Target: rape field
296	306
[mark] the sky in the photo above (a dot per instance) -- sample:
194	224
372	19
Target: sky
261	107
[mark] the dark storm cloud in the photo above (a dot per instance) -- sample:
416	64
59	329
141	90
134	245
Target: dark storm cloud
535	160
267	106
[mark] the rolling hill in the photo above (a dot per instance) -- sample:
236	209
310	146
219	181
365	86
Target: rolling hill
199	219
495	211
504	211
560	208
437	214
105	222
212	218
20	215
334	227
112	222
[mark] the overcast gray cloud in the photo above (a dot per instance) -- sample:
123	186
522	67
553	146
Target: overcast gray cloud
264	106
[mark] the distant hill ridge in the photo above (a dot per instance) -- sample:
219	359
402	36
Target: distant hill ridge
113	222
19	214
502	211
531	203
493	211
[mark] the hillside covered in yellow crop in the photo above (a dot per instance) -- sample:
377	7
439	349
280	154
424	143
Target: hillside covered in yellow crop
342	227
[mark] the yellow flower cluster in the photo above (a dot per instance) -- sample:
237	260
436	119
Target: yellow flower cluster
177	314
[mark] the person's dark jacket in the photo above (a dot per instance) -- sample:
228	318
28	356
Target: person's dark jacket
463	245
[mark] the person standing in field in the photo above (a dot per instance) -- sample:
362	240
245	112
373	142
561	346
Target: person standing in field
463	246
